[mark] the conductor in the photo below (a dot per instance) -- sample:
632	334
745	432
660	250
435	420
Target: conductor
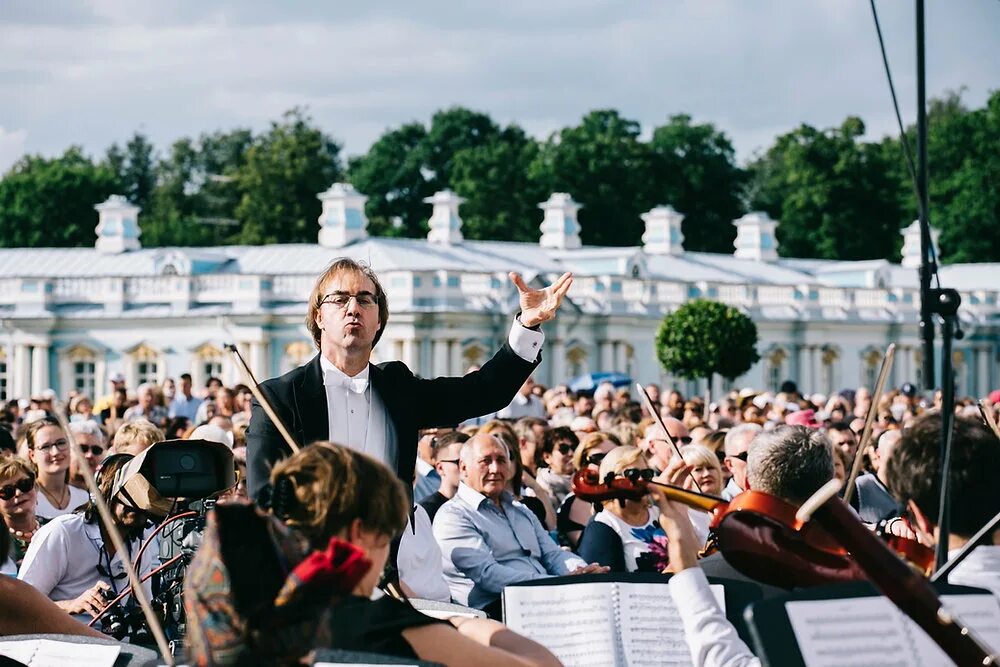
342	397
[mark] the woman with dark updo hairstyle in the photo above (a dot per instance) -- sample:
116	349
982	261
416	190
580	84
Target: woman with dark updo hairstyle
270	589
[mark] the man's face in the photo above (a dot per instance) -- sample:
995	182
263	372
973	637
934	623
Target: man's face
146	399
447	464
845	439
186	386
736	459
348	325
90	444
131	522
584	406
486	466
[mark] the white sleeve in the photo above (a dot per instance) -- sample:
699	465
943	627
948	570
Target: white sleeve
527	343
711	638
45	562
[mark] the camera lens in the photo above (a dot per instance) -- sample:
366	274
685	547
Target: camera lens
187	462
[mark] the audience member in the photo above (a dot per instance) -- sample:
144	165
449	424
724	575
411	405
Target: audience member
445	457
524	403
133	437
487	539
621	534
93	443
18	504
737	444
48	449
555	472
184	403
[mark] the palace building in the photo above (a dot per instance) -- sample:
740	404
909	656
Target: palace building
71	317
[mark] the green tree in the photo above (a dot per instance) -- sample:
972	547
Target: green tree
502	201
50	202
835	196
286	168
391	174
134	167
963	149
702	338
696	173
450	132
605	167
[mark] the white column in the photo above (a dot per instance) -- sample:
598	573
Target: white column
39	368
440	358
455	364
21	379
902	361
558	363
620	361
410	355
805	369
607	351
815	360
982	371
258	360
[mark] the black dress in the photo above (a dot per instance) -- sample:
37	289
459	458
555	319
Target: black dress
359	624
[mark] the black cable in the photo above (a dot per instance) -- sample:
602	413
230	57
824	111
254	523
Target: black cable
902	136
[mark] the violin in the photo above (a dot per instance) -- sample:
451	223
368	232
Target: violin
907	589
758	533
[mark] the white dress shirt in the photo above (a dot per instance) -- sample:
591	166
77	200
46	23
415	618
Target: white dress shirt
349	402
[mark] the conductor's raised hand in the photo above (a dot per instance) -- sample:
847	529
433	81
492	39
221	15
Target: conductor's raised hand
540	305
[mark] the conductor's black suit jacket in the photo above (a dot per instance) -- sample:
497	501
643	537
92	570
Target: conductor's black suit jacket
412	403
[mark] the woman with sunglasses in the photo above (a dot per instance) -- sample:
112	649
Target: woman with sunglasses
620	536
575	513
555	464
48	449
18	499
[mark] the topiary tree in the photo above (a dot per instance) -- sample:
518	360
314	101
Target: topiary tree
702	338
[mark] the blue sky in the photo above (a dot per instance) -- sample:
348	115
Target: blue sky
91	73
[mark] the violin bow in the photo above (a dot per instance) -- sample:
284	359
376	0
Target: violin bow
651	409
866	434
986	410
259	395
116	538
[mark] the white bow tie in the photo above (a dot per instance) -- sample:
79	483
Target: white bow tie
356	384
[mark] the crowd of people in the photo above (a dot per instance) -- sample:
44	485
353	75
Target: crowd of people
450	490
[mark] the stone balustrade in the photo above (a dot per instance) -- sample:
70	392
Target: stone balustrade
475	292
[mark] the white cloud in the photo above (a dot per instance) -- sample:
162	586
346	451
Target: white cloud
12	147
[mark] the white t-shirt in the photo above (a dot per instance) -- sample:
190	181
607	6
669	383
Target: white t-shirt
635	539
419	560
62	559
47	510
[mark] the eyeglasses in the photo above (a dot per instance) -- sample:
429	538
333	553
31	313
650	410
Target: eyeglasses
341	299
595	459
565	449
455	461
96	450
23	485
742	457
59	445
635	474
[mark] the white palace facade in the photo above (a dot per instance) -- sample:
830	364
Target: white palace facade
71	317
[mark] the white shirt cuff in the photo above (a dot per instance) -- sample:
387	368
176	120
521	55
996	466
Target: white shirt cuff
527	343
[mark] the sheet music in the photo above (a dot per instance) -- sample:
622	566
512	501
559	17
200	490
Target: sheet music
52	653
878	634
651	630
574	621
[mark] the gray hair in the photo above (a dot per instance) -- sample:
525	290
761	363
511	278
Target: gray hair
89	427
741	435
790	462
145	387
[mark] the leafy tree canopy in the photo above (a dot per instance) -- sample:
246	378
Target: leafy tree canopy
702	338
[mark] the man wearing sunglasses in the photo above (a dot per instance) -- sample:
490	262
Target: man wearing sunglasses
92	442
737	444
378	409
72	560
658	449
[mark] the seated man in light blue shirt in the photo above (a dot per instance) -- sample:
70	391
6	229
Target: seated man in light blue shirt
488	540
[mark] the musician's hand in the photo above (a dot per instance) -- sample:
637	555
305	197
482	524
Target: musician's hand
593	568
540	305
91	601
900	528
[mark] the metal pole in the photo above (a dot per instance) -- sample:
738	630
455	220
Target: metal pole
927	262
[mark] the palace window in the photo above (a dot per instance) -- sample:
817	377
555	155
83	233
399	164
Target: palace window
208	363
295	354
775	366
828	359
870	362
3	375
576	362
79	370
145	365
